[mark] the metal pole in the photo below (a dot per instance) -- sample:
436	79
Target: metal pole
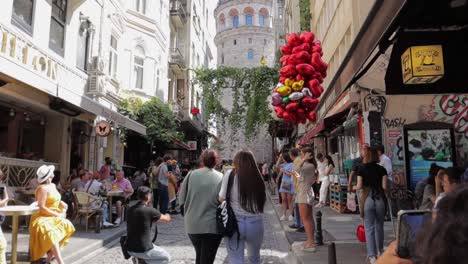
318	230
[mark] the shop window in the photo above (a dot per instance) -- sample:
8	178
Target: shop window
113	57
138	67
23	14
57	26
250	55
248	20
140	6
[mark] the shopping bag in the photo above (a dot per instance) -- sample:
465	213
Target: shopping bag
361	233
351	201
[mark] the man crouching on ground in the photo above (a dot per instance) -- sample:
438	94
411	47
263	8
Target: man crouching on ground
140	217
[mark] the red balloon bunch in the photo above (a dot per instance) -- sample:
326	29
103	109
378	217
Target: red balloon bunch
297	94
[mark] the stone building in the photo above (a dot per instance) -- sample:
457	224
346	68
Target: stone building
245	38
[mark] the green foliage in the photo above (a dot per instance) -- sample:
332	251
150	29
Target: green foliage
155	115
304	7
249	88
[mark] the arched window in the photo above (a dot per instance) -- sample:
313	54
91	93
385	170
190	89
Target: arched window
248	12
250	55
263	15
221	22
138	66
140	6
234	15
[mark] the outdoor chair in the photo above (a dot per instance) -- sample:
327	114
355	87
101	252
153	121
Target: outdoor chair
87	206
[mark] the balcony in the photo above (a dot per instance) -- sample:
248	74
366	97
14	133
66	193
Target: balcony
178	13
176	60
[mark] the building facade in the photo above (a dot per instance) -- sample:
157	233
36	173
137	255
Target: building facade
64	67
291	16
245	38
192	31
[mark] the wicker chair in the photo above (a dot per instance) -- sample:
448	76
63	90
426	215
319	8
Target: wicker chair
87	206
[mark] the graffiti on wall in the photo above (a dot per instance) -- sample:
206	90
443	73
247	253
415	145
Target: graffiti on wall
394	122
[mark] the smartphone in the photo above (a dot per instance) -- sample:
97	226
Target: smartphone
410	225
2	192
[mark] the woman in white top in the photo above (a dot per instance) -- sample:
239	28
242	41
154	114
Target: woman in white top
247	201
324	178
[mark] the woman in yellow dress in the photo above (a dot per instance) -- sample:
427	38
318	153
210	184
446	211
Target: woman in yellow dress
49	229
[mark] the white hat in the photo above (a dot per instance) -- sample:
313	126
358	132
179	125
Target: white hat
44	172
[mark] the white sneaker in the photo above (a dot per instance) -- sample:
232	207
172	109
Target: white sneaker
282	218
117	221
372	260
107	224
291	218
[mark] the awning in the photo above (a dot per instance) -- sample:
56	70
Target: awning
329	123
180	143
313	132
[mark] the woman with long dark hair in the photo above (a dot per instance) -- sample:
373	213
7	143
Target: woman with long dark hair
372	179
325	181
429	194
247	199
304	197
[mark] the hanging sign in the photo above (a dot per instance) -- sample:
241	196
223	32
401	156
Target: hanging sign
103	128
192	145
422	64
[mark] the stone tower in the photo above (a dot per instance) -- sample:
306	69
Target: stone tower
245	38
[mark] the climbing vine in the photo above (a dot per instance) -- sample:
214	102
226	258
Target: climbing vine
305	16
249	89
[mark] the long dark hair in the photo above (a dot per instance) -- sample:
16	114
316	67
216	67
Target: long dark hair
330	161
311	151
251	188
433	173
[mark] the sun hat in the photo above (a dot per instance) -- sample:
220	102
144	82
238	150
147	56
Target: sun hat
44	172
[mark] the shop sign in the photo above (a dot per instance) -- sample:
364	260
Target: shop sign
103	128
422	64
192	145
13	47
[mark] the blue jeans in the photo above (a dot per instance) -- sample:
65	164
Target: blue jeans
163	198
250	236
156	255
105	211
297	216
374	216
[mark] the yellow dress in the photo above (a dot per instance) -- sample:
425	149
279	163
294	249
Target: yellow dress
45	230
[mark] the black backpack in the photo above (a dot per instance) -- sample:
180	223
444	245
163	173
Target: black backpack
226	222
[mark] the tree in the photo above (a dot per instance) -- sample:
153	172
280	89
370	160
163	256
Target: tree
304	7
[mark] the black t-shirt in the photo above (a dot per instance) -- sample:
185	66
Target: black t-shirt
139	222
372	176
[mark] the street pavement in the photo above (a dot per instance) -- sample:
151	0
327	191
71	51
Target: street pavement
172	237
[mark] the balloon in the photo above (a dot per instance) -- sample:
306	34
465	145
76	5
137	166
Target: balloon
312	116
306	92
361	233
307	37
297	86
286	100
289	82
284	91
276	99
310	103
292	107
296	96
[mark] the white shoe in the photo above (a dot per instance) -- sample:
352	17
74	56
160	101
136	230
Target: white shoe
282	218
318	205
117	221
372	260
107	224
291	218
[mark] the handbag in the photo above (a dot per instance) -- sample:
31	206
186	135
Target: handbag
226	222
286	186
182	206
351	201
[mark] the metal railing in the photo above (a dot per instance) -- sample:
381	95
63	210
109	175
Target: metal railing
176	57
18	172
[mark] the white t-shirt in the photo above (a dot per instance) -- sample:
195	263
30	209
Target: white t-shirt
235	203
438	199
386	162
322	169
94	188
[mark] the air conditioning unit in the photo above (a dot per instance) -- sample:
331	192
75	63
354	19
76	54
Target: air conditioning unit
96	84
97	64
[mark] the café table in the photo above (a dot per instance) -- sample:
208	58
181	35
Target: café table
110	194
15	211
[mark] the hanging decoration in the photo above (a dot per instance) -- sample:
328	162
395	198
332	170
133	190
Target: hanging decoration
297	94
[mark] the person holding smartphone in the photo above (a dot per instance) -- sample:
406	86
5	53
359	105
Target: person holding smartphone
3	243
372	179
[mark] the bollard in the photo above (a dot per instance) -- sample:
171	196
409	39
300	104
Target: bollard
318	230
332	253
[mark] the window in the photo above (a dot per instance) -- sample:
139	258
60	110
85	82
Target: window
82	47
250	40
140	6
265	41
235	42
23	14
261	20
138	63
113	57
235	21
222	58
248	20
250	55
57	26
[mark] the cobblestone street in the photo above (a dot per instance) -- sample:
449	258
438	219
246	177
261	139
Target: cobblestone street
173	238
